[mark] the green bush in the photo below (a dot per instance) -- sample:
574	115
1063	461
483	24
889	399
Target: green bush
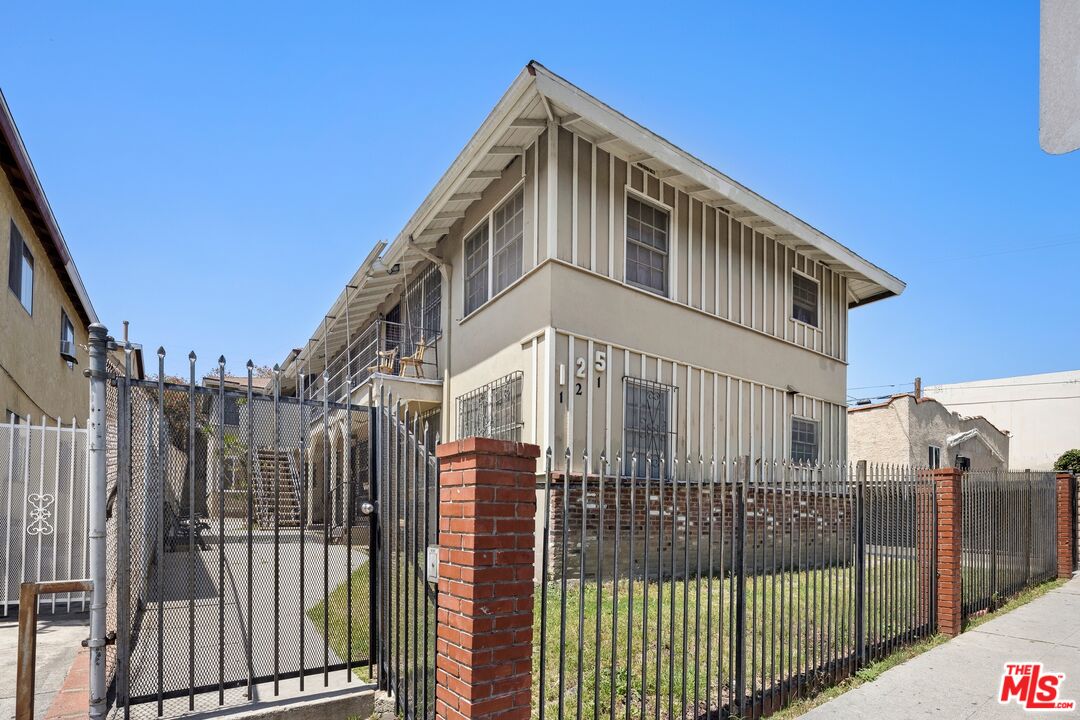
1069	461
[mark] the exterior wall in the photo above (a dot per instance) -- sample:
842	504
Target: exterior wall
34	379
1041	412
724	338
902	430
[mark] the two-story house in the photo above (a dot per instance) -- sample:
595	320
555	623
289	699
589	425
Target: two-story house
576	280
45	310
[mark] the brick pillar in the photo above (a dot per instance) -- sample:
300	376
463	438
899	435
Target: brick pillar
949	546
1065	518
487	501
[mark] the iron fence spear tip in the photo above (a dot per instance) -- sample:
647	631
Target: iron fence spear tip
161	351
221	360
250	365
192	356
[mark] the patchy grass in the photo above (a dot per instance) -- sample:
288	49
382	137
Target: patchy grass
673	657
338	620
1022	598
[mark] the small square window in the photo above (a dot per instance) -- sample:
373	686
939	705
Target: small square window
804	441
804	299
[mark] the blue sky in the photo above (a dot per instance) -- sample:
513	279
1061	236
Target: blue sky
219	170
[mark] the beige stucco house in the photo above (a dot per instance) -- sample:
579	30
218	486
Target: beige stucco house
45	310
916	431
574	279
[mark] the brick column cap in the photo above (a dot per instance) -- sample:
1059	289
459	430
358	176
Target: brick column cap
1064	475
486	446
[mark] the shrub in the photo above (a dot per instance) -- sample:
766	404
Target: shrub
1069	461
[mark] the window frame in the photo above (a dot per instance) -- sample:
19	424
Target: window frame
630	193
488	221
817	439
15	269
817	298
65	324
933	454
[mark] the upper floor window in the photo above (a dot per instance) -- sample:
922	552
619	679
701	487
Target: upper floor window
804	441
934	459
804	298
493	252
21	269
67	338
647	413
646	245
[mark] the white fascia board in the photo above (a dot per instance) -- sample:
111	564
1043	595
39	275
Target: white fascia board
614	123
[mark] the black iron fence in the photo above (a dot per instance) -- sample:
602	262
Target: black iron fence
1009	535
227	577
724	588
408	512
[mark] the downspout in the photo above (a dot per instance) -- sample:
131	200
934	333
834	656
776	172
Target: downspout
445	271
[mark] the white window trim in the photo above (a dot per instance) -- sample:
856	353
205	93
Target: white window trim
817	436
489	219
33	263
938	448
642	197
791	308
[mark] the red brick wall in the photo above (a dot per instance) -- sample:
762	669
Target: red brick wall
949	548
487	497
1066	517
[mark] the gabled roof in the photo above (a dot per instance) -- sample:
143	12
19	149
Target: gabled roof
24	181
536	97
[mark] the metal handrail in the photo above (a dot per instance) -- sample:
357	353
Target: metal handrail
295	475
260	483
26	670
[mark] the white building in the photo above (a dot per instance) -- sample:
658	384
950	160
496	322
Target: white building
1042	412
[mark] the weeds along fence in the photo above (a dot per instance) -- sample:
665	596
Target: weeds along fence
697	589
1009	535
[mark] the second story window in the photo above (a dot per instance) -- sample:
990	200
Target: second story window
67	338
476	269
493	253
646	245
804	441
21	269
647	412
804	299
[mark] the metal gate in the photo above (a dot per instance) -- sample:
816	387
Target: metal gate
241	542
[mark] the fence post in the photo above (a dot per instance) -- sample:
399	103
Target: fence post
98	342
487	497
739	537
1065	516
860	565
950	530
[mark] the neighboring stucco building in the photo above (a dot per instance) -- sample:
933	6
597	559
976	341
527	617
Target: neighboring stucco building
1042	412
921	432
45	311
574	279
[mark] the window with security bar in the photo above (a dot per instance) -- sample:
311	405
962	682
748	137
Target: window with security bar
492	411
648	412
804	441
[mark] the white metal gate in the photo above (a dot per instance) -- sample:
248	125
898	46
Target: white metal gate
43	509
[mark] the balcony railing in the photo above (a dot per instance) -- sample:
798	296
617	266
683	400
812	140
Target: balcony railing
383	347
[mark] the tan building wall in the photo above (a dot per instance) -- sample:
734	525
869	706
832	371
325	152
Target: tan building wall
34	379
902	430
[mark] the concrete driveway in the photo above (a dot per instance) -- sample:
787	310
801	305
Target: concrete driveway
59	638
962	678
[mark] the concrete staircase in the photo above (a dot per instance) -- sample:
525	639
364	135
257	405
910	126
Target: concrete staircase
267	461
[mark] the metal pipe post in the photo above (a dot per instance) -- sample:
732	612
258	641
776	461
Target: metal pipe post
98	348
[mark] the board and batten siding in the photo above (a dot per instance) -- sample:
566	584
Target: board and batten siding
716	264
715	415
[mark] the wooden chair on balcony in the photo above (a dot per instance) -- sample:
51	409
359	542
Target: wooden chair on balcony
415	361
384	361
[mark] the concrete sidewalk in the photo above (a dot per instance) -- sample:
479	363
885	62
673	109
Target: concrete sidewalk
962	678
59	638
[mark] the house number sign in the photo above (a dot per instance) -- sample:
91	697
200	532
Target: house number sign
581	369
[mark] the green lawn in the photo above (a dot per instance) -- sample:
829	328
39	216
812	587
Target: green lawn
338	624
691	636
